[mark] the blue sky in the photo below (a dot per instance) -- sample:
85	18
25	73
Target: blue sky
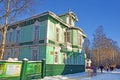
91	14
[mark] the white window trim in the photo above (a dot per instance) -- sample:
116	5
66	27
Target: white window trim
58	40
34	48
58	57
64	56
58	27
37	23
57	49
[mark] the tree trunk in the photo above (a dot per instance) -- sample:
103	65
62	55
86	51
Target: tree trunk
2	48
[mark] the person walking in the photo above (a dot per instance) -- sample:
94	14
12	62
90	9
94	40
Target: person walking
94	70
101	68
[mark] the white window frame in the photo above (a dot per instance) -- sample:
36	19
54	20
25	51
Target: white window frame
57	50
58	32
34	58
56	55
36	35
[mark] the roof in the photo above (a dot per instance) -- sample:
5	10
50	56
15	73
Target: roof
40	15
71	13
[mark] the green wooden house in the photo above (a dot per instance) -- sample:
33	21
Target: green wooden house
48	36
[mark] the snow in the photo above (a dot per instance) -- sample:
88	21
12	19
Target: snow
110	75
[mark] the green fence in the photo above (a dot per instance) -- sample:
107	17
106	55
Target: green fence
62	69
21	70
10	70
32	70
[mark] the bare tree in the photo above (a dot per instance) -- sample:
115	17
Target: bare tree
97	45
86	47
104	50
9	11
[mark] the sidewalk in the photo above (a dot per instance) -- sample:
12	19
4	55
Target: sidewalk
76	76
110	75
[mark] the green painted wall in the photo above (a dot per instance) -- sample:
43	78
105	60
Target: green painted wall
25	53
26	33
42	52
75	37
49	55
63	18
52	30
43	30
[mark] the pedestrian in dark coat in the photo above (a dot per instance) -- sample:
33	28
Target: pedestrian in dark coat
101	68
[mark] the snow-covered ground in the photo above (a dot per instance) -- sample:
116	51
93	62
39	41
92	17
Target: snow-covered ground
110	75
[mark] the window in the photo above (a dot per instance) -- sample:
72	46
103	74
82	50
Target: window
76	58
80	59
64	58
35	54
57	34
56	58
7	54
70	20
10	36
36	33
79	39
16	54
71	59
65	37
68	36
17	35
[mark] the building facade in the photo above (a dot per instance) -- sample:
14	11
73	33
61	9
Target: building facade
51	37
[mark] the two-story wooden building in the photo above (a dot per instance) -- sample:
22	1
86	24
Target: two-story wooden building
51	37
